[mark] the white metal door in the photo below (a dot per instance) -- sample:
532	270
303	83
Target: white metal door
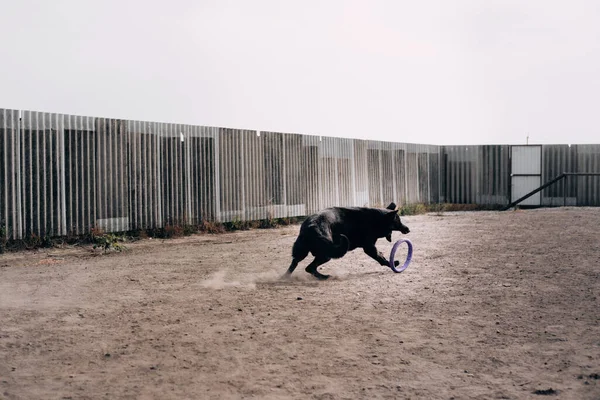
526	173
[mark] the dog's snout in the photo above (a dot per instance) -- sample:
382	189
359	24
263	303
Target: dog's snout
405	229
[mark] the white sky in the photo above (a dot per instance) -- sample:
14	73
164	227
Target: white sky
431	71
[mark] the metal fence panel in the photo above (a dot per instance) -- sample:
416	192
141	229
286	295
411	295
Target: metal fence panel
388	181
493	168
374	174
80	173
475	174
329	188
556	160
399	160
274	175
42	149
361	173
434	174
112	185
11	205
254	177
412	174
296	174
312	178
345	171
588	187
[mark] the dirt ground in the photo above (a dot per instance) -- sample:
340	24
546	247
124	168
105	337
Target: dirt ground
495	305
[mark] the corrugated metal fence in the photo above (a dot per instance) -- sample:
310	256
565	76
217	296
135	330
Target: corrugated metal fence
63	174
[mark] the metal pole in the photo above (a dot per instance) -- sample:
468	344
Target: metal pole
514	203
565	191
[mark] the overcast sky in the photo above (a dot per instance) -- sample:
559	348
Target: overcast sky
437	72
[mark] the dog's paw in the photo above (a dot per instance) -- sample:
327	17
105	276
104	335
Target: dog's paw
396	263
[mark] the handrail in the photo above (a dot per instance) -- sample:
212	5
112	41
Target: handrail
544	186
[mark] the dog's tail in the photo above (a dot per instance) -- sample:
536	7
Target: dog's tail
335	250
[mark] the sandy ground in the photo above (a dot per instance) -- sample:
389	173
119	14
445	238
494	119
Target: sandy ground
495	305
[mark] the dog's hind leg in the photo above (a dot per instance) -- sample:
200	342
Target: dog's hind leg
372	252
292	267
312	267
299	253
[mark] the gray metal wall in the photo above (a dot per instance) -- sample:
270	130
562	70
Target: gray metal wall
588	187
11	207
574	190
475	174
64	174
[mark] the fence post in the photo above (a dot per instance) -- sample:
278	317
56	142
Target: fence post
565	190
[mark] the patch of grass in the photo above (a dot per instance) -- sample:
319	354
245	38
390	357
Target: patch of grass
237	225
271	223
189	230
412	209
33	241
3	236
290	220
440	208
173	231
211	227
472	207
268	223
463	207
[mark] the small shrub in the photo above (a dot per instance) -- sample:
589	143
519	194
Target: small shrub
268	223
32	241
106	241
139	234
173	231
47	242
211	227
189	229
237	225
285	221
253	224
109	241
71	238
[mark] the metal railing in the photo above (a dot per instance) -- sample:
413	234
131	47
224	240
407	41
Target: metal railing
564	176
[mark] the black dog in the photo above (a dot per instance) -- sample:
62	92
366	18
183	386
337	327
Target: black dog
335	231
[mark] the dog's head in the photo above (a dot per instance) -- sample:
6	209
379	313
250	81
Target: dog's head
395	223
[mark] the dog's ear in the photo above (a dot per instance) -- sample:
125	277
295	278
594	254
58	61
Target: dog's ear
392	206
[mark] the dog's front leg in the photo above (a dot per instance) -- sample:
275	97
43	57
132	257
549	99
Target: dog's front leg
372	252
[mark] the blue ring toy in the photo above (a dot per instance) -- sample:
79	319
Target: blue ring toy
408	257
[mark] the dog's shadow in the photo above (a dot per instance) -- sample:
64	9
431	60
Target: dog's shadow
283	282
299	280
359	275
